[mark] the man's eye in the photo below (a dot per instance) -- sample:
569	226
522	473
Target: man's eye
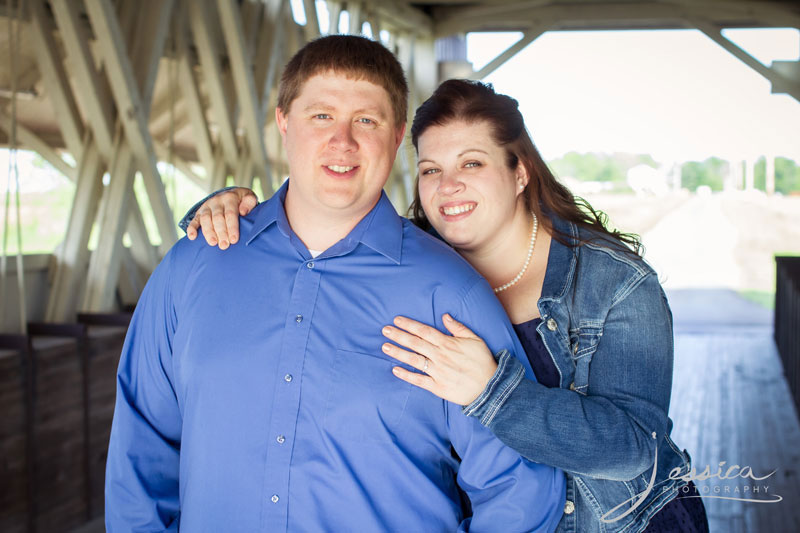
322	116
366	121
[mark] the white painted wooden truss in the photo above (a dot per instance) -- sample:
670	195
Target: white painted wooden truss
194	82
139	74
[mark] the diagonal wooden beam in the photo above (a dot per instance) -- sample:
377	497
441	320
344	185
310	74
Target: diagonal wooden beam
55	78
163	153
527	38
714	32
312	20
31	141
94	93
194	104
101	280
355	11
208	51
243	79
63	298
334	13
132	101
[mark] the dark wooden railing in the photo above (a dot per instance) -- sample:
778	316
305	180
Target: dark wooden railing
57	387
787	321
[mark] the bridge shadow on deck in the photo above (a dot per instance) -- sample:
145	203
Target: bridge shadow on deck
731	403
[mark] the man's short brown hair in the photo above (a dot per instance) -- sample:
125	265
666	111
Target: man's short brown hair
353	56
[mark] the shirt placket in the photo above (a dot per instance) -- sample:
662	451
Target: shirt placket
286	401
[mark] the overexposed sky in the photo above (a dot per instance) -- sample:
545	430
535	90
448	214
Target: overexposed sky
674	94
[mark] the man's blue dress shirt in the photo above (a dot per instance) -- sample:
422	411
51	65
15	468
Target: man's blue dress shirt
253	395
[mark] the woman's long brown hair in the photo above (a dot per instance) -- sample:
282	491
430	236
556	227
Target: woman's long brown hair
473	101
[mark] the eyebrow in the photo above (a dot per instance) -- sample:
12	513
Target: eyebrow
468	150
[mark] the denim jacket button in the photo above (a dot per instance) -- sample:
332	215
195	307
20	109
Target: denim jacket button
575	349
572	386
551	324
569	507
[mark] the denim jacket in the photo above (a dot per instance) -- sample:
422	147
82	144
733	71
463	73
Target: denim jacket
607	326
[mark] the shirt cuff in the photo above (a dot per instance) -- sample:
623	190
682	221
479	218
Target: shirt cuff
187	218
506	378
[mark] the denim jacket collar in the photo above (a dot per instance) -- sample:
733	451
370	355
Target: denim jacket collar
562	259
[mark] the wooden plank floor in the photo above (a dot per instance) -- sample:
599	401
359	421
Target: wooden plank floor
731	403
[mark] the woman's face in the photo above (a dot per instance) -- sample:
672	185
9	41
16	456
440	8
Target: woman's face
466	189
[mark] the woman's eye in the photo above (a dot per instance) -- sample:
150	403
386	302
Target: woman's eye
429	171
472	164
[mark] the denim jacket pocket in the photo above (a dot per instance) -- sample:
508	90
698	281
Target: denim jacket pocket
365	400
583	342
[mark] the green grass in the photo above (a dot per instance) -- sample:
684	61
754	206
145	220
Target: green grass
765	299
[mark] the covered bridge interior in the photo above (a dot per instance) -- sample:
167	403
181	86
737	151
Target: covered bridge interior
108	90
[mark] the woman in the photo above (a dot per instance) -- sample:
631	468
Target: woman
590	313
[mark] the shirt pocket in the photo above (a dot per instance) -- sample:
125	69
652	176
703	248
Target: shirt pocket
365	400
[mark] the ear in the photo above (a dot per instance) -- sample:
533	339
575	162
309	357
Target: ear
282	121
522	177
399	133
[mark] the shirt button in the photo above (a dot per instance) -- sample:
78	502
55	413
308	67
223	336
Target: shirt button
572	386
275	498
310	264
551	324
298	318
287	378
569	507
653	434
281	439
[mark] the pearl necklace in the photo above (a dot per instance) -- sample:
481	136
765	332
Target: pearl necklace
514	281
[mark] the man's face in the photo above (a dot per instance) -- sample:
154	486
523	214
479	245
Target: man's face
341	140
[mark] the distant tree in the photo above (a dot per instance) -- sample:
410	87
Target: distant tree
787	175
760	174
710	172
599	167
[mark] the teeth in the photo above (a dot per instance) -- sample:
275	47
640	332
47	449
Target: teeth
458	209
339	169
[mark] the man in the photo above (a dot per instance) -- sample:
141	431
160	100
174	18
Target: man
252	391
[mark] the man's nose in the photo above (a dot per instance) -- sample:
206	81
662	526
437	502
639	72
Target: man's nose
343	139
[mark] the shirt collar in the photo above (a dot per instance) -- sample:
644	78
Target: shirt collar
381	229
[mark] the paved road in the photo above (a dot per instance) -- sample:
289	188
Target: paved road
695	246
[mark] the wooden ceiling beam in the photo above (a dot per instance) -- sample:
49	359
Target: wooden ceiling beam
208	51
94	93
241	66
55	78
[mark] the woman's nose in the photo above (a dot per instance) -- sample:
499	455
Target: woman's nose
450	183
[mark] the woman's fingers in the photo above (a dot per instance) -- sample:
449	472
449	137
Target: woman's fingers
404	356
191	229
220	226
420	380
423	331
248	202
207	225
409	340
457	328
